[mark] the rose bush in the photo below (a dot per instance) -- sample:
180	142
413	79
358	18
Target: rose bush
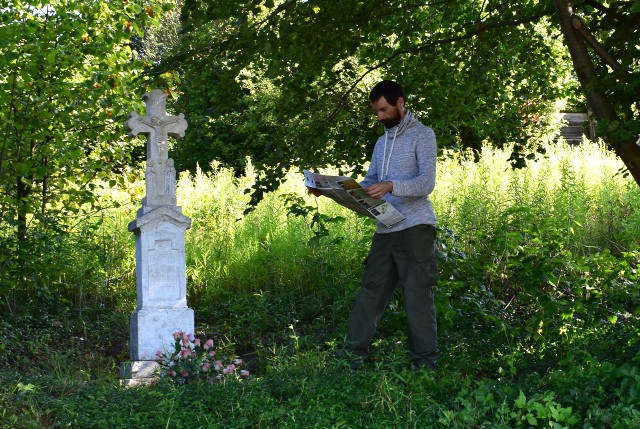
193	360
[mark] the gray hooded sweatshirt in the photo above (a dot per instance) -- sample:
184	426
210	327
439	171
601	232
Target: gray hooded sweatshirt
406	156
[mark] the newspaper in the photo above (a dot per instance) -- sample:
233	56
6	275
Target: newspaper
348	193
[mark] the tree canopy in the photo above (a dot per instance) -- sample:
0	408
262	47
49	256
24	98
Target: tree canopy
286	81
67	84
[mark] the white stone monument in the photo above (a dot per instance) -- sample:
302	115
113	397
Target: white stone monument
160	246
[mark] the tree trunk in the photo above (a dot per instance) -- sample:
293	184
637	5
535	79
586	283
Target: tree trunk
627	150
22	192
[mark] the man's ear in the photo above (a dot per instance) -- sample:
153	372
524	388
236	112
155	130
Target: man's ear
400	102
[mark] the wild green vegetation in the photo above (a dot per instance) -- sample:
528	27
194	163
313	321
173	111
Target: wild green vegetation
537	299
285	80
66	69
538	293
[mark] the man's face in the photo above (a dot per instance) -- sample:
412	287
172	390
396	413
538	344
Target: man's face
388	115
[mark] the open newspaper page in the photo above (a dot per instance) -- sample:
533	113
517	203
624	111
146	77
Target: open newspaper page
348	193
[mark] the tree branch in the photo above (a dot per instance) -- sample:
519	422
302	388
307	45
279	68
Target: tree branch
270	17
480	28
582	62
591	40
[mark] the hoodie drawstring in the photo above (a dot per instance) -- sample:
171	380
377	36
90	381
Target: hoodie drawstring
385	169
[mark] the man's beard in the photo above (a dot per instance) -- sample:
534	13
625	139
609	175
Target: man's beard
392	122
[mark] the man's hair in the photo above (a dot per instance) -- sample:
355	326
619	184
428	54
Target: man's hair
388	89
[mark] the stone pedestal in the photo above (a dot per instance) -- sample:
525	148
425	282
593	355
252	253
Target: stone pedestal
161	280
152	329
161	288
139	373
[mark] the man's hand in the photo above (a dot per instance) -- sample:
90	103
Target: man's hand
314	191
379	190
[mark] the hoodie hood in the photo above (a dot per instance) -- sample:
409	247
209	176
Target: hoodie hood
406	121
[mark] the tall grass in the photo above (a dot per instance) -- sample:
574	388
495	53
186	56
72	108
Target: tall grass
265	265
229	252
573	194
576	189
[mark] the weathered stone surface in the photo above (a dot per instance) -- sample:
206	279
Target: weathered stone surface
139	373
159	229
160	258
151	330
160	175
140	369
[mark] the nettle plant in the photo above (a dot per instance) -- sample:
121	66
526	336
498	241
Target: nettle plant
192	359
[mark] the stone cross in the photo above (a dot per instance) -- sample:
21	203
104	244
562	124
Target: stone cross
159	227
160	175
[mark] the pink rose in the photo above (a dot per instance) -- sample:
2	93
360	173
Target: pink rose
208	344
237	362
177	335
172	373
206	366
218	365
196	342
191	337
212	353
185	353
184	373
185	342
159	354
244	373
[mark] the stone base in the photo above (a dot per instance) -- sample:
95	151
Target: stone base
139	373
152	330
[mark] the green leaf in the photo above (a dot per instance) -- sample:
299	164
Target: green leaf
22	169
22	388
521	401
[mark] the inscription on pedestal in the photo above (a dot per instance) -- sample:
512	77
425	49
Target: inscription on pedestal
163	275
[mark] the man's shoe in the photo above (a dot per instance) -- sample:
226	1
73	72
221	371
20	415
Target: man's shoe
424	366
355	360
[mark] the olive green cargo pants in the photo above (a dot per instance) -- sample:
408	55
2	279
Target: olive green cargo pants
407	258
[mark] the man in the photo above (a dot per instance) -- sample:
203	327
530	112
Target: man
403	172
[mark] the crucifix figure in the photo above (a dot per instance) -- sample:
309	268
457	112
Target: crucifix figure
160	174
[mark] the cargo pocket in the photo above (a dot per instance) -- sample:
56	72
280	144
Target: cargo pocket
426	255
